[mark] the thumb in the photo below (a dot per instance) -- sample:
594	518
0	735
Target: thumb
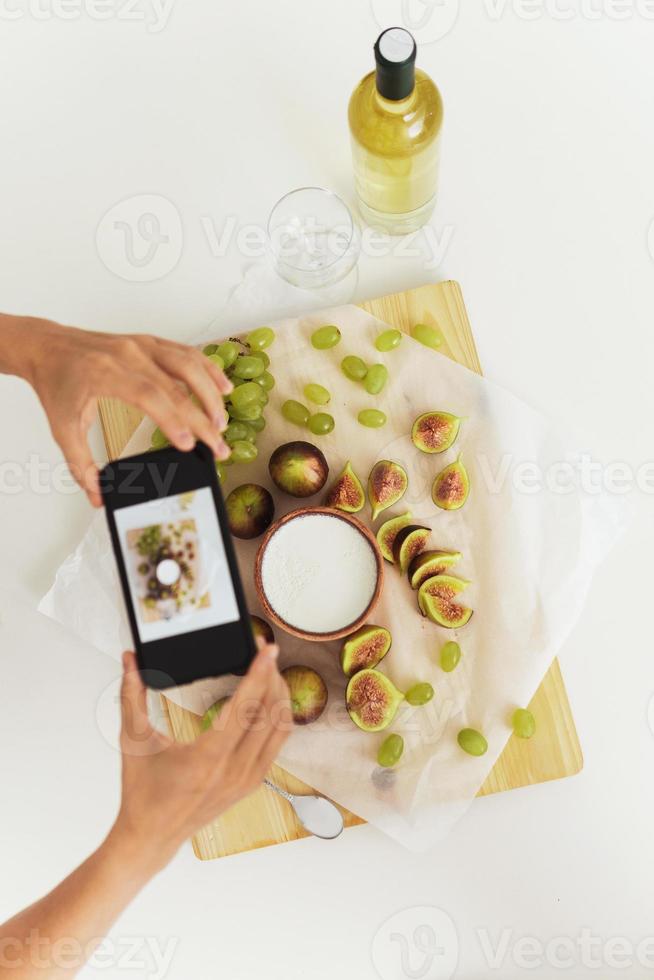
81	464
136	727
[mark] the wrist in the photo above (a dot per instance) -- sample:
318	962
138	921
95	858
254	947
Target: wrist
139	858
21	342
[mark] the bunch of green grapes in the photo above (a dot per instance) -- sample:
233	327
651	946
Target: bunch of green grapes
246	365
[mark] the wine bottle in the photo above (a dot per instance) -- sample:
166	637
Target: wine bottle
395	116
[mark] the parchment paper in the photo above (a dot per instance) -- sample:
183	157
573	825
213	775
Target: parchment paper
529	554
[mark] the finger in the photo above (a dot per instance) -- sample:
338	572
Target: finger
250	691
136	724
74	445
192	367
219	377
155	394
261	742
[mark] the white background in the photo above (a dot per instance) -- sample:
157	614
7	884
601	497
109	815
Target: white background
547	191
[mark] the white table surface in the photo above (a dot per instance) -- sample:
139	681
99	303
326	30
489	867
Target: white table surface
547	194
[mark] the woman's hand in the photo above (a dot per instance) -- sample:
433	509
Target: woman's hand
70	369
170	790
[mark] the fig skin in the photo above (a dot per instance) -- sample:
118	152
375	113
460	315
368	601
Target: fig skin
387	484
387	532
206	722
298	468
250	510
347	492
436	601
430	563
451	487
307	691
365	649
372	700
434	432
408	543
262	628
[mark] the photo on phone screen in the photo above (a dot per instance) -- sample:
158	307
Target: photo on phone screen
176	565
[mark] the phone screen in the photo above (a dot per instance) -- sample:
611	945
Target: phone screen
177	566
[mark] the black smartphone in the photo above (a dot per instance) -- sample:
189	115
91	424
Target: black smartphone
177	566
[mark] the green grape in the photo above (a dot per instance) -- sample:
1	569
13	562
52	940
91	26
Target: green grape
250	433
263	395
472	742
260	338
325	337
246	394
317	394
220	470
354	368
524	723
210	349
217	360
390	751
265	380
419	694
261	354
426	335
234	432
375	379
258	424
229	351
243	451
248	367
388	340
295	412
158	439
248	413
321	423
372	418
450	656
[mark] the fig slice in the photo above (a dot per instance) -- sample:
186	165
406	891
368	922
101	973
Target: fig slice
408	543
430	563
346	493
365	648
434	432
387	484
436	601
451	487
372	700
388	530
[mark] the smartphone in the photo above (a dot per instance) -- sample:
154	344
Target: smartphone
177	567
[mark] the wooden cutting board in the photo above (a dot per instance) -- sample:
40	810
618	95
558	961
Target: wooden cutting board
554	752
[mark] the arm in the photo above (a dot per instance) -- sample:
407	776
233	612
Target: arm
169	791
70	369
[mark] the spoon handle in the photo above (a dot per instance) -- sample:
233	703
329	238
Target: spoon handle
278	789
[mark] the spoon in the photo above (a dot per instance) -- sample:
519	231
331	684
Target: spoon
316	814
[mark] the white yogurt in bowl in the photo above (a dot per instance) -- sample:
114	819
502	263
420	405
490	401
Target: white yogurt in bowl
319	573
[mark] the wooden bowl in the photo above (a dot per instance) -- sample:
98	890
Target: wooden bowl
275	617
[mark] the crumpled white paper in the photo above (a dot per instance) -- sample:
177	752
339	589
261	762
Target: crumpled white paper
529	553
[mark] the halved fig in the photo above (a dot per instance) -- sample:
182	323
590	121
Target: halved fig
387	532
434	432
347	492
430	563
372	700
387	484
451	487
436	601
409	542
365	648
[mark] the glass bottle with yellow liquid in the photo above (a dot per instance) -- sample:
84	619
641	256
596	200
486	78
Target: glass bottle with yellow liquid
396	115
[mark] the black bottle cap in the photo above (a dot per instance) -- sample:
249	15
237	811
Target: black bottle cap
395	54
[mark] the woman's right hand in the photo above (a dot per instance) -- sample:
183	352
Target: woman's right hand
171	790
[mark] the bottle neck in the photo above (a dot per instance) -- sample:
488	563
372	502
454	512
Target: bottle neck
395	83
